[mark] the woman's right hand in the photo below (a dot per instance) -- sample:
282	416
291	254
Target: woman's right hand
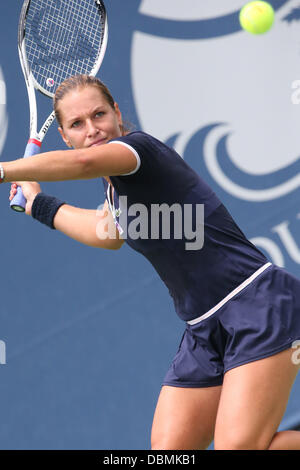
29	189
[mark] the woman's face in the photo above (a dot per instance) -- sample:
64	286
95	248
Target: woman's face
87	119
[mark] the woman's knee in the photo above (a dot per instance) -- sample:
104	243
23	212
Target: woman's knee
184	418
241	440
179	442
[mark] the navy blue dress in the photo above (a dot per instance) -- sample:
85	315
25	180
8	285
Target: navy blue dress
237	306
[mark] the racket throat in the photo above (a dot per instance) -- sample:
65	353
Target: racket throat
35	141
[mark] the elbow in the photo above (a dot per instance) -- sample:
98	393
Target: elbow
114	245
118	245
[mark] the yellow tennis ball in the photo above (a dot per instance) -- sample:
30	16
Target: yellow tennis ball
257	17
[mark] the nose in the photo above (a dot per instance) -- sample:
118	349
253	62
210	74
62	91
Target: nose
91	129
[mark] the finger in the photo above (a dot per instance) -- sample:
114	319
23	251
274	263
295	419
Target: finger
12	194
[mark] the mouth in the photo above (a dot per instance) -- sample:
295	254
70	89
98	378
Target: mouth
98	142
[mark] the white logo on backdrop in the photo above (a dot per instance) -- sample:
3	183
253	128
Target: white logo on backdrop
239	84
3	114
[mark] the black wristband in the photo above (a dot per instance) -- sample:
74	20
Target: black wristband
44	208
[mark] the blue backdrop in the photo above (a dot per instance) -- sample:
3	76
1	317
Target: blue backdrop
89	334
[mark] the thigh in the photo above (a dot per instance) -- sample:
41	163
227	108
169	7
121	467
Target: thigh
253	400
185	418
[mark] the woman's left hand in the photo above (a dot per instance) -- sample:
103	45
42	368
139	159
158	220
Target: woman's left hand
29	189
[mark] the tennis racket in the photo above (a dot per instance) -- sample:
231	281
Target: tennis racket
56	39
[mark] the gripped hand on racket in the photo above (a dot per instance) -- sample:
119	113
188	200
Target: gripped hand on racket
29	191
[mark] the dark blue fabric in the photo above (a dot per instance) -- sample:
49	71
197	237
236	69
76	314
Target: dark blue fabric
44	208
196	279
262	320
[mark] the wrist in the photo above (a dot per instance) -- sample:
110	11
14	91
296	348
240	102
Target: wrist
29	201
2	174
44	208
32	197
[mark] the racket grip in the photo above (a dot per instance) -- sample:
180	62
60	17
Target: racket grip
18	203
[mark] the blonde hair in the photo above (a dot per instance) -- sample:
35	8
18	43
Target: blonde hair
82	81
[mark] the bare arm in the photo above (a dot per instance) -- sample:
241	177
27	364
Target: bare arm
61	165
90	227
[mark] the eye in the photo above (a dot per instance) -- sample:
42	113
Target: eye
76	124
99	114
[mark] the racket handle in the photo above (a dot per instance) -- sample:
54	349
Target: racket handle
18	203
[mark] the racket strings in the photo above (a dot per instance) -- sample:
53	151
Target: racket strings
62	38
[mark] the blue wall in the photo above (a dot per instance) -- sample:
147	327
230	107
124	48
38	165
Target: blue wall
89	334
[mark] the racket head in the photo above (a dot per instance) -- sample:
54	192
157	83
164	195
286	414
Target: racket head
61	38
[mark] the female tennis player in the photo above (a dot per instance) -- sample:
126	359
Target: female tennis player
231	377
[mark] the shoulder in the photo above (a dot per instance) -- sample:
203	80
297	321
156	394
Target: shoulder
139	139
145	148
145	145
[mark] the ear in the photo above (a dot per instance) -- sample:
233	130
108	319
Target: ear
64	138
119	115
